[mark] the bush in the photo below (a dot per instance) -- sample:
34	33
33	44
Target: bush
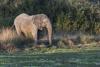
86	39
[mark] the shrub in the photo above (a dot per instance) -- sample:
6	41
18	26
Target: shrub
86	39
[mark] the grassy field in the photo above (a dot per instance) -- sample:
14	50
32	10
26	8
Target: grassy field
17	52
50	57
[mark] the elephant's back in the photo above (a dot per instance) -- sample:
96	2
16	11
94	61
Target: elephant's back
22	18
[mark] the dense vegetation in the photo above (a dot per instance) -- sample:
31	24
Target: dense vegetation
66	15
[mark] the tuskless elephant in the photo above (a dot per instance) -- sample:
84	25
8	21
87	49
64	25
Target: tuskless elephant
26	24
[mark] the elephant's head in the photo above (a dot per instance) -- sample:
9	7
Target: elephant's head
42	21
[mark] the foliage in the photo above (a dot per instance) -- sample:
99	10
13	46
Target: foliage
65	15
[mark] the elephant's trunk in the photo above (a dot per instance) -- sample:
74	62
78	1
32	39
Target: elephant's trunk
49	29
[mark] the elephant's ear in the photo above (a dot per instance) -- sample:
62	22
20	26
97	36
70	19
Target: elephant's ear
33	18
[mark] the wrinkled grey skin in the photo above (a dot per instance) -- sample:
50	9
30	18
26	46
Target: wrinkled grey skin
31	24
23	24
42	21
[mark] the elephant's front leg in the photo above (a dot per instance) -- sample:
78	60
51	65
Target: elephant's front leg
49	34
35	40
34	35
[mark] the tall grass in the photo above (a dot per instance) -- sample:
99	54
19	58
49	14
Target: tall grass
7	35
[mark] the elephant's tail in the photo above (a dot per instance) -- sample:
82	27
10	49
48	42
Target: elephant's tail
12	26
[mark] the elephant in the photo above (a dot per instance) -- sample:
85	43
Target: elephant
25	23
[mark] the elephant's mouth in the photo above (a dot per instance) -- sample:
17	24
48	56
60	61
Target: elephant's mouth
40	28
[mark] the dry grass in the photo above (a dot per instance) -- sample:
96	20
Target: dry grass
7	35
69	41
10	41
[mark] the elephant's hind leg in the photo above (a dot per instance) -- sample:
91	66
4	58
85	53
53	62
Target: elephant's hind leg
18	30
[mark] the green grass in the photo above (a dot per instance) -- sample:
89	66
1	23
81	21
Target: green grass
49	57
